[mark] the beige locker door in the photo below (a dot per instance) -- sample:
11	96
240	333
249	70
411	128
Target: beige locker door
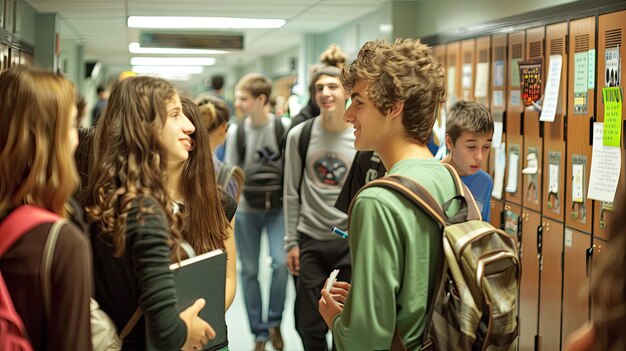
468	69
575	280
481	82
529	285
580	112
554	132
453	73
497	104
514	140
551	278
533	143
611	31
439	51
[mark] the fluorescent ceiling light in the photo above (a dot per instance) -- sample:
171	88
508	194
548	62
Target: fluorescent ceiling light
172	61
168	69
202	22
135	48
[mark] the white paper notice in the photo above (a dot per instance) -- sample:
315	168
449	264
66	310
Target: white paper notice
551	96
482	80
467	76
511	184
606	164
496	141
577	183
451	86
515	98
553	177
498	98
498	177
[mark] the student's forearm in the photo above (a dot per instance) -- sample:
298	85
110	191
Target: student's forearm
231	266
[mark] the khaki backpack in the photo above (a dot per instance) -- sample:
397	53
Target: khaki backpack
475	305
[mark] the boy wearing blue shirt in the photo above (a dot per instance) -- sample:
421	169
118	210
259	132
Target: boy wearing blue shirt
469	132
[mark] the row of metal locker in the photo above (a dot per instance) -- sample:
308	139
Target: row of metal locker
545	205
10	56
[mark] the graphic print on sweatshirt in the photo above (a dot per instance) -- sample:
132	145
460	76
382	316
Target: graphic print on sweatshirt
330	169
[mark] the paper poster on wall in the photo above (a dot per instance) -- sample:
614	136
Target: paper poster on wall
515	96
578	177
581	75
612	98
511	183
496	140
591	81
498	73
606	164
451	86
553	83
612	67
498	98
482	80
467	76
530	75
498	177
514	72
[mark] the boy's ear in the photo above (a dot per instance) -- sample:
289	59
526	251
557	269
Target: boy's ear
449	143
397	109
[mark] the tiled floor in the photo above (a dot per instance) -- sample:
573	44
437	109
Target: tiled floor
239	336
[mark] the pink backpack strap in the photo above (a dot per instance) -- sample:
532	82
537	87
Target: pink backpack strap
20	221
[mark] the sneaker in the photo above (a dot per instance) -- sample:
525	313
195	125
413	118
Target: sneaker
276	338
259	346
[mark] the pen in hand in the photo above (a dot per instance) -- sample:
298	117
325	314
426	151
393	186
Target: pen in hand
339	232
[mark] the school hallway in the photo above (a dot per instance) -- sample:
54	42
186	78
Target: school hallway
239	336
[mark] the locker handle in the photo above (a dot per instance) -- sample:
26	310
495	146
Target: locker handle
504	121
565	128
539	240
541	127
592	120
521	123
589	254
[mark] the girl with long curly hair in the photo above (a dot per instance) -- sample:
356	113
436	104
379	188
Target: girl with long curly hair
142	136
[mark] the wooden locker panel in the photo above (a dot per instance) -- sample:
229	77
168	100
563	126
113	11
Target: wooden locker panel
468	69
580	112
483	59
532	183
497	103
453	73
554	132
551	278
575	280
496	212
599	247
611	34
514	112
529	285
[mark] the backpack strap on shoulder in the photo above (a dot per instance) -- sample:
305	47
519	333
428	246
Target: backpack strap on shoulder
469	208
241	142
279	130
20	221
303	147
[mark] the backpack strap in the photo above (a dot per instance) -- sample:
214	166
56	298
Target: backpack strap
303	148
279	131
473	211
21	221
224	173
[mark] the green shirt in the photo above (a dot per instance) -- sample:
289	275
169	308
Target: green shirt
395	249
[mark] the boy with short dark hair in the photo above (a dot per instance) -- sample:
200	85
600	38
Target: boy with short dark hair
469	132
254	145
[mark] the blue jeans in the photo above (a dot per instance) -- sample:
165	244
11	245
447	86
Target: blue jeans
248	228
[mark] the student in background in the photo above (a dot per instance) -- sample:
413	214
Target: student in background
469	131
215	116
38	137
396	90
206	227
261	205
101	104
311	188
608	295
134	233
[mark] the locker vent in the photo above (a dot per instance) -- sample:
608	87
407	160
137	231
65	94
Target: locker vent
452	60
483	56
499	53
517	51
535	49
581	43
613	38
467	57
556	46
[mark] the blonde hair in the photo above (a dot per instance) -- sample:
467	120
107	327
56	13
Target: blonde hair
333	56
214	111
36	159
404	71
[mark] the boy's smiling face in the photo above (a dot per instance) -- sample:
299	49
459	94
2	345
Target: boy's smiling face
469	151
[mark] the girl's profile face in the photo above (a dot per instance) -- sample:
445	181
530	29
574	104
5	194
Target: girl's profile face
175	138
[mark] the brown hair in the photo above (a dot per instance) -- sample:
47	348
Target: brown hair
256	84
205	226
404	71
608	287
214	111
36	161
128	161
333	56
468	117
